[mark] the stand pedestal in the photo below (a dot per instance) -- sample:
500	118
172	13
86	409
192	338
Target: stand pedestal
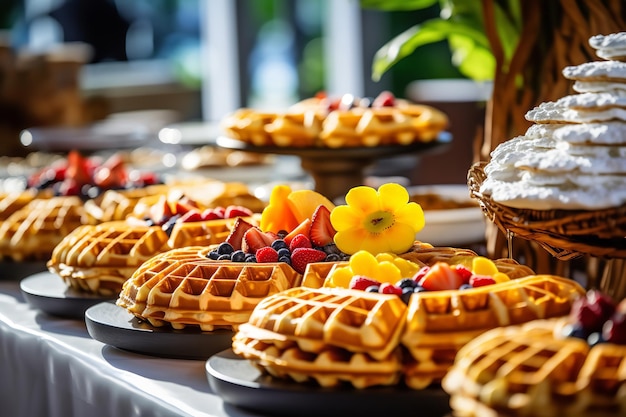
337	170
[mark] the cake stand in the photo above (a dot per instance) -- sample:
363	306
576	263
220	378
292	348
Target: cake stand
336	170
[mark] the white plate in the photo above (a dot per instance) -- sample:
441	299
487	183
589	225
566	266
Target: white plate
451	226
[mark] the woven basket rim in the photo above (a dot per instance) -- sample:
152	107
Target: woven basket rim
566	234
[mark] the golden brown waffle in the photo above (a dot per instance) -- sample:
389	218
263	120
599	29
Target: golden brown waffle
32	232
11	202
423	254
327	335
99	258
530	370
287	330
308	123
119	204
330	367
184	288
441	322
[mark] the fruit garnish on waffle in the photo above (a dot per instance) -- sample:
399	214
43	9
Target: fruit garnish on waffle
184	288
99	258
336	122
568	366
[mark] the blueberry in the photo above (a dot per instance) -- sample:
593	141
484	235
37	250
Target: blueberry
168	226
282	233
285	259
225	248
406	294
250	258
419	288
149	221
372	288
465	287
238	256
224	257
575	330
284	252
407	283
595	338
279	244
331	248
213	255
332	257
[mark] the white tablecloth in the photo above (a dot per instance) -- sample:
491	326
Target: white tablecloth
50	366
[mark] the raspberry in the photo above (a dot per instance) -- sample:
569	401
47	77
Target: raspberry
387	288
464	272
266	254
301	257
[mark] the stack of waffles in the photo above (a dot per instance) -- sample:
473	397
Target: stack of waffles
531	370
334	335
100	258
344	122
184	288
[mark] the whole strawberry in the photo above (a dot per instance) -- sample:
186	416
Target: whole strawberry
301	257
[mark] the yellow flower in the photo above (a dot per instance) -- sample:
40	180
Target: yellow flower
377	221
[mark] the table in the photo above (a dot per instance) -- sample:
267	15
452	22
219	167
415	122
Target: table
50	366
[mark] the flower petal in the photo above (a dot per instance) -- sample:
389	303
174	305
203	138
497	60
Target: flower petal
400	237
345	217
392	196
363	198
350	241
411	214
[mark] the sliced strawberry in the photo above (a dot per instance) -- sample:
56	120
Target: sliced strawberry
384	99
210	214
299	241
77	168
185	205
301	257
221	211
441	276
236	211
111	174
388	288
361	282
266	254
235	237
322	231
302	229
160	211
481	280
190	216
255	239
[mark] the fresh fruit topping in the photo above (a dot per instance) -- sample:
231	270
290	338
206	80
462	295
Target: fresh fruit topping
302	229
481	281
277	215
237	211
303	203
322	231
465	273
614	329
441	276
210	214
266	254
235	237
387	288
254	239
190	216
360	282
592	311
301	257
299	241
384	99
377	221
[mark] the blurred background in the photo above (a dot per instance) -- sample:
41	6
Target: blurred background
70	62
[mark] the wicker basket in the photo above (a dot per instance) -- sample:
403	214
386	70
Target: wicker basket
566	234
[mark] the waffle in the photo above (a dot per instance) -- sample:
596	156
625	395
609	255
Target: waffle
99	258
11	202
184	288
422	254
327	335
32	232
439	323
529	370
311	123
118	204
